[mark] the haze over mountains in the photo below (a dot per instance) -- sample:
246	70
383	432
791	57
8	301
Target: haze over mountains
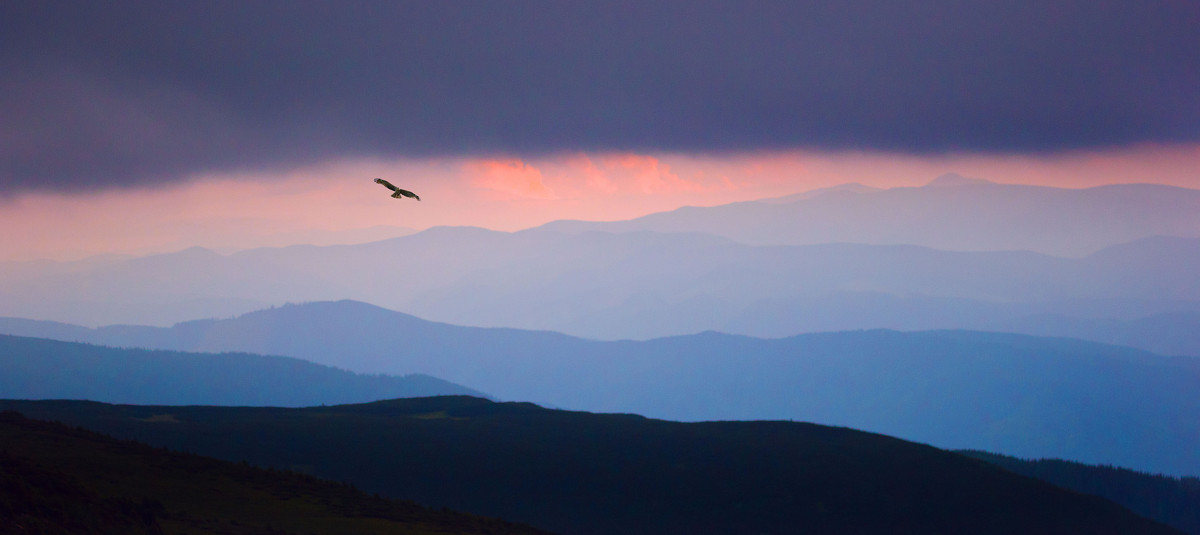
698	314
1018	395
670	275
36	368
951	212
644	284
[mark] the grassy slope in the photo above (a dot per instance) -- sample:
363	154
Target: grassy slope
55	479
582	473
1171	500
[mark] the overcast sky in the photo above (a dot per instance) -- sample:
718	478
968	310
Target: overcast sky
101	93
157	125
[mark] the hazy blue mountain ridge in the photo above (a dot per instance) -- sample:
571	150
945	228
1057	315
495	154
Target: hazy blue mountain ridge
637	285
1013	394
951	212
1170	333
36	368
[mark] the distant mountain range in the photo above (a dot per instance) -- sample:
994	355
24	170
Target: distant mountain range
585	474
32	368
850	266
950	213
1019	395
643	285
56	479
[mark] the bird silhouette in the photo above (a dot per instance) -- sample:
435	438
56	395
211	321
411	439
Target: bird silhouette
396	192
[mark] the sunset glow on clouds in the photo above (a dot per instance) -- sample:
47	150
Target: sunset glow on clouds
337	202
513	177
134	130
582	175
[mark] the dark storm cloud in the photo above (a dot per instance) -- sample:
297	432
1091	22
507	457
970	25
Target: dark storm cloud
108	93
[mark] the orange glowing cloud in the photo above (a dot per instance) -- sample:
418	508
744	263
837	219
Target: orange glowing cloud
336	202
580	175
594	179
512	177
621	175
643	174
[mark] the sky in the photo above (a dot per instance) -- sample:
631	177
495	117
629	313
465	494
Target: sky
134	127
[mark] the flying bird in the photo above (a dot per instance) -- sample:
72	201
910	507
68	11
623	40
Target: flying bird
397	192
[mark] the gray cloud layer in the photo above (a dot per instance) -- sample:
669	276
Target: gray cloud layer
110	93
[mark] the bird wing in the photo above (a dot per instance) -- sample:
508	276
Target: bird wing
387	184
407	193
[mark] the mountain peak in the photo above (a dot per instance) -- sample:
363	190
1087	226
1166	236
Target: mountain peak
955	179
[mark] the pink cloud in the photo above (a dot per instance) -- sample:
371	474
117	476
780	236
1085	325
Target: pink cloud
594	178
256	209
513	177
648	173
624	174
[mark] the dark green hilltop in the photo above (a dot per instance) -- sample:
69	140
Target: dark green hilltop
60	480
1174	501
580	473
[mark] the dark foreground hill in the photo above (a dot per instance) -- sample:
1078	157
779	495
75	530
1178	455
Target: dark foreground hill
583	473
33	368
59	480
1171	500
